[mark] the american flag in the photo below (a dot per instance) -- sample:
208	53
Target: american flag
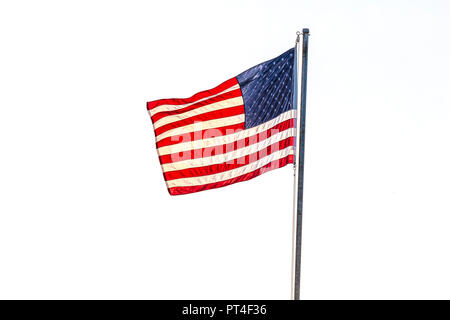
231	133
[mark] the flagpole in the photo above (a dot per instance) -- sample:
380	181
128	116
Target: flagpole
299	100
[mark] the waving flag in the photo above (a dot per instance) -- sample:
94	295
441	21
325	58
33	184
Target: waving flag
231	133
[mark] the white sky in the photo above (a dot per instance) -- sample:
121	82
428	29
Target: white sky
84	212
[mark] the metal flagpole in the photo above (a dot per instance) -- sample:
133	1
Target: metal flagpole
299	159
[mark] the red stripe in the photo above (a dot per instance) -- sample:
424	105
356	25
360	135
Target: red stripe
199	135
212	115
229	165
242	143
203	94
225	96
270	166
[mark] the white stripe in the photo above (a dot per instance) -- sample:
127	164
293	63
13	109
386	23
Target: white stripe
221	140
172	107
224	104
230	174
236	154
202	125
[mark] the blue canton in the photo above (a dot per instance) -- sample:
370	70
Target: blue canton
267	89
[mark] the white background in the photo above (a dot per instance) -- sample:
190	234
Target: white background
84	211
